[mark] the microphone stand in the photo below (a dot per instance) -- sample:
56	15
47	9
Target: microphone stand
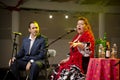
14	48
60	37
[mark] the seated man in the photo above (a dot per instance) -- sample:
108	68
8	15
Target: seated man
31	55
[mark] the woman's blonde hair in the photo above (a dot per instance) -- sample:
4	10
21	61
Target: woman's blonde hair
87	27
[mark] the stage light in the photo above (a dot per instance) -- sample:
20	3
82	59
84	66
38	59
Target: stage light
50	16
66	16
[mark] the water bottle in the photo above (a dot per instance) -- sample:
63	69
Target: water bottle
100	50
114	51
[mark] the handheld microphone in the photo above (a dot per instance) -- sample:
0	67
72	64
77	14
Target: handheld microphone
17	33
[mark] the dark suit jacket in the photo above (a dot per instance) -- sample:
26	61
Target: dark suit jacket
38	49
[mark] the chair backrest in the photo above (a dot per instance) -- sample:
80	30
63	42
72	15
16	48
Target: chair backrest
51	53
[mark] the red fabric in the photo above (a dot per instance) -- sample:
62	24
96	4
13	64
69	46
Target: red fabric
75	55
103	69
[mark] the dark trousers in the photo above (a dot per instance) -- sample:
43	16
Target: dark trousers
20	65
85	61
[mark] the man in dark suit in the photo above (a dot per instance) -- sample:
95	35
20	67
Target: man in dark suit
31	55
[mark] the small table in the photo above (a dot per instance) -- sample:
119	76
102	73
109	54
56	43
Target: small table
103	69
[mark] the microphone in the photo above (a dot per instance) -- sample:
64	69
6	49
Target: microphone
72	30
17	33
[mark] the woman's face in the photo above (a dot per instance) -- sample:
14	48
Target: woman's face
80	26
34	30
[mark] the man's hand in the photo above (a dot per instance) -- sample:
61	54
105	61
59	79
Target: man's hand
28	66
11	61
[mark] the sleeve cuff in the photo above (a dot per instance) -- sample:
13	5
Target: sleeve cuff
31	61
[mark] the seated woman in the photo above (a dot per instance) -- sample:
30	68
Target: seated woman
81	50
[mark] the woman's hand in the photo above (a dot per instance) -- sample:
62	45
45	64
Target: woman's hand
73	44
64	60
76	44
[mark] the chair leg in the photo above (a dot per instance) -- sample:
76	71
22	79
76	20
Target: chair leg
46	78
27	77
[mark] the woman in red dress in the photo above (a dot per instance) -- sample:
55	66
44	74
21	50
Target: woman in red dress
81	50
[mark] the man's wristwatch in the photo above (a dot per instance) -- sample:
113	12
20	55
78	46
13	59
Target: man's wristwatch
31	61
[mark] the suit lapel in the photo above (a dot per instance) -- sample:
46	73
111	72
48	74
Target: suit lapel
27	45
36	42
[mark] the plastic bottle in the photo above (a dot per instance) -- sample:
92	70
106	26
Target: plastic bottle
114	51
100	50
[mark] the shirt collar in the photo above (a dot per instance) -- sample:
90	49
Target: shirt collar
32	38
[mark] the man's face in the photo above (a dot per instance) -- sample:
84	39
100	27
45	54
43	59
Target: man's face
34	29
